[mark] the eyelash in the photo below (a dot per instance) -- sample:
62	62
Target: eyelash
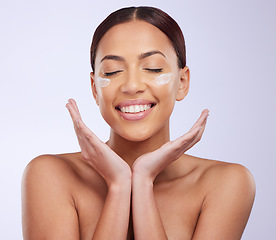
155	70
108	74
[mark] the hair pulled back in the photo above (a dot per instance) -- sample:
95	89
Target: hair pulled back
151	15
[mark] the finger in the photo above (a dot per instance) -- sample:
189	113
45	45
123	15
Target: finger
75	119
81	129
90	143
201	119
85	136
69	107
81	141
195	131
185	142
82	133
75	107
173	150
197	127
198	136
88	137
84	130
74	114
189	136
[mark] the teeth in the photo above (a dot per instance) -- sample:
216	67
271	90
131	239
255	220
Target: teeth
135	108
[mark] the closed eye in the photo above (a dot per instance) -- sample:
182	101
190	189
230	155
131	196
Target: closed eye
108	74
155	70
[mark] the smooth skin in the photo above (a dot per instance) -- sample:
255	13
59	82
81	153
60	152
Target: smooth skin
139	185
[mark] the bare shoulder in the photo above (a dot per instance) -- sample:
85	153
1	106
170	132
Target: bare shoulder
49	188
65	171
229	192
51	167
220	174
46	162
51	175
47	200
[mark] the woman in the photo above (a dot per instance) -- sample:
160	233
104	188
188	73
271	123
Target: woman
139	184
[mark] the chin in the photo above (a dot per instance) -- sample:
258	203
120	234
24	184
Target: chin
135	136
139	134
137	139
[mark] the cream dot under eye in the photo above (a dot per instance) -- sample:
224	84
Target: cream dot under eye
163	78
103	82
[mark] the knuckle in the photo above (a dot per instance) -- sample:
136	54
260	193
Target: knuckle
197	139
176	146
172	145
85	156
188	138
88	136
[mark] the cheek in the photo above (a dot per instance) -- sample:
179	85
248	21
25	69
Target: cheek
164	87
105	104
105	94
163	79
103	82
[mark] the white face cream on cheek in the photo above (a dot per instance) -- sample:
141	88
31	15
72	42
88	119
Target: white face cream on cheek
103	82
163	78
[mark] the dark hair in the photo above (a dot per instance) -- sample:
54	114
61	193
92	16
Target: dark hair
155	17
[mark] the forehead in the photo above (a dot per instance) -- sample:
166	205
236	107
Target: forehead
134	37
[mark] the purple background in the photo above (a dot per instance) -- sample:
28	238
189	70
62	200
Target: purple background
45	60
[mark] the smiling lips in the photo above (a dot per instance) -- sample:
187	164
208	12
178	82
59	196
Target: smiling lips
134	110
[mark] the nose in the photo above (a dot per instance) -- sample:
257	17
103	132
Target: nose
133	84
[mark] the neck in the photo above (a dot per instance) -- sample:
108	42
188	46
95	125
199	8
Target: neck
131	150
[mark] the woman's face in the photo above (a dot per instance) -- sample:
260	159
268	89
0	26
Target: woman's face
137	80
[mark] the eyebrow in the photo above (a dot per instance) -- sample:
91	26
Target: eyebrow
113	57
150	53
141	56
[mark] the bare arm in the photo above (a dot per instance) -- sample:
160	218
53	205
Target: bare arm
147	222
227	206
49	210
114	219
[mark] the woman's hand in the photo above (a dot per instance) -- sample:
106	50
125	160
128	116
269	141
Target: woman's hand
149	165
99	155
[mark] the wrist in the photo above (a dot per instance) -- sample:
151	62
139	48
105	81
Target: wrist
120	186
120	180
143	173
140	179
